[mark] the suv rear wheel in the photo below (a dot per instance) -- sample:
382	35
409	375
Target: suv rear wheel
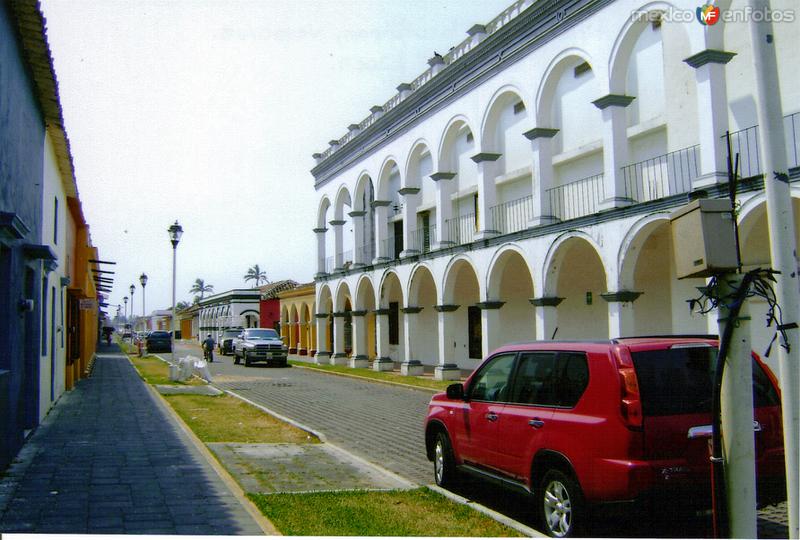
444	466
561	504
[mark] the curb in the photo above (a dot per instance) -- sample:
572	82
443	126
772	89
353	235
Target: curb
368	379
500	518
264	524
324	440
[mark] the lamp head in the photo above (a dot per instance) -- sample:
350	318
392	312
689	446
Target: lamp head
143	279
175	232
133	289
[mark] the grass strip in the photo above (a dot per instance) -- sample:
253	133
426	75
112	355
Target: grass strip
419	512
225	418
386	376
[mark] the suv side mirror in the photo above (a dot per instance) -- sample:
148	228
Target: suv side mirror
455	391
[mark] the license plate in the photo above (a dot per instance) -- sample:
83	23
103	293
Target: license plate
269	356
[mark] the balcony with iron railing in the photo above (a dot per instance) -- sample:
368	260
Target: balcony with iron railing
576	199
461	229
745	144
512	216
662	176
422	240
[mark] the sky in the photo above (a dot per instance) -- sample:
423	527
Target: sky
207	112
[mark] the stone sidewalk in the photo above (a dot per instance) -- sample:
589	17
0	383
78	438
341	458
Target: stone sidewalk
110	458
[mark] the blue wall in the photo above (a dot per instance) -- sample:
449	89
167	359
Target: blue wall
21	178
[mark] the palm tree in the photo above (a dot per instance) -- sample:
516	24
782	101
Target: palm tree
201	287
180	306
255	273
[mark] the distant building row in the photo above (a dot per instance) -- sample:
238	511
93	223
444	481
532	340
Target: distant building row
48	296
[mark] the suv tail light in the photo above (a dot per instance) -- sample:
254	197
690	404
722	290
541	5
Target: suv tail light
630	400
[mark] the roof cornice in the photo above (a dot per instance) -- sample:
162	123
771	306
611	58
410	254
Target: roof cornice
537	25
32	36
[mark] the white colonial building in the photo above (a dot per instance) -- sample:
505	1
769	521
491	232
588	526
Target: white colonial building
521	187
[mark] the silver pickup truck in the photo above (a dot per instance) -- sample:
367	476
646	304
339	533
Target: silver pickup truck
260	345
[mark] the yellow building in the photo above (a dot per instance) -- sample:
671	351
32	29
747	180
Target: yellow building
297	319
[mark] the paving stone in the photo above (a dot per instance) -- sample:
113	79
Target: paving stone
105	461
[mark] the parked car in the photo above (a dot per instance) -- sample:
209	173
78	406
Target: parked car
225	341
159	341
580	424
260	345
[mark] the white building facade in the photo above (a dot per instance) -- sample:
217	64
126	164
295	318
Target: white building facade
521	187
234	308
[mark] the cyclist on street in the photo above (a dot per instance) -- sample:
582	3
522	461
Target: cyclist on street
208	348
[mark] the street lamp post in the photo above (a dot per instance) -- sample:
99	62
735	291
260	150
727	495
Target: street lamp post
143	281
125	299
175	232
133	290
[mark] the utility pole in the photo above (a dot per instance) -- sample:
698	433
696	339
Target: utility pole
783	246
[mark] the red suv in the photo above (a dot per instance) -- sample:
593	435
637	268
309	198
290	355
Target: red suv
577	424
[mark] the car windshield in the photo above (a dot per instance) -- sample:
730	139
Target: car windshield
262	333
678	381
159	334
231	333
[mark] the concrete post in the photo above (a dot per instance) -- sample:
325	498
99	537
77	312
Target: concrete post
444	207
736	400
323	355
411	365
338	243
546	316
411	201
783	245
358	237
381	231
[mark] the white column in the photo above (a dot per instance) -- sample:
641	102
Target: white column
487	193
546	316
381	231
615	149
338	242
490	322
360	358
339	357
444	207
542	174
712	115
412	365
358	237
323	354
320	232
383	362
411	201
446	370
620	313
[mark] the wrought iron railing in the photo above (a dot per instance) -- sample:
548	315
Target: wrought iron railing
422	240
576	199
329	265
391	247
512	216
461	229
366	253
662	176
347	257
745	143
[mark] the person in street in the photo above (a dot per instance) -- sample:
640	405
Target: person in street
208	348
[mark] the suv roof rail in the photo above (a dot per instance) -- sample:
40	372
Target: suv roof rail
669	336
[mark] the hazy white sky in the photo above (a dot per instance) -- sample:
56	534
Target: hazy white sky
208	112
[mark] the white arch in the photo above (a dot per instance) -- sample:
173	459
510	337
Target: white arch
342	199
322	211
498	258
448	283
636	235
555	252
413	287
381	190
445	140
550	79
494	106
413	155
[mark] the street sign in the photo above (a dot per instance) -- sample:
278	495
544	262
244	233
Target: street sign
88	303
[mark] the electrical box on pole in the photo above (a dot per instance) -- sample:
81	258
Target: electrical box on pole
703	239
